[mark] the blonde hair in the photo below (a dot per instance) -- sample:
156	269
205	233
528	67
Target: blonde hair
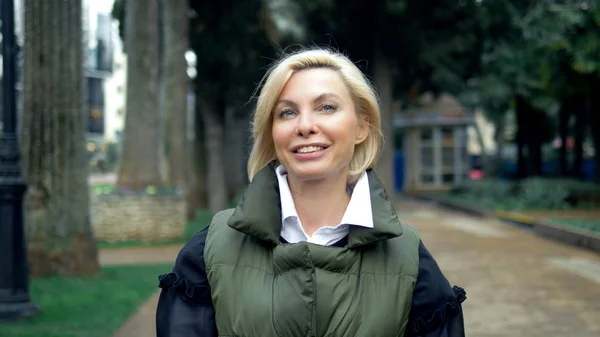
362	92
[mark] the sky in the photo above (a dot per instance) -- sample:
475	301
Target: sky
96	7
102	6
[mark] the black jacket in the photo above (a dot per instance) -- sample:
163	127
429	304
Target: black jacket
185	308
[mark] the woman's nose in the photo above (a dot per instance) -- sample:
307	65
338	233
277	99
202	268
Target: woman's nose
306	124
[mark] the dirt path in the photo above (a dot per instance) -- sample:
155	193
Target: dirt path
141	323
139	255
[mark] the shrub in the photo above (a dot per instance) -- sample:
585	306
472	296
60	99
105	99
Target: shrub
531	193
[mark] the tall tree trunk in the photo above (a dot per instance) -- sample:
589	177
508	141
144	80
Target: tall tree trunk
579	131
485	158
500	141
197	193
160	52
531	127
594	124
521	161
213	113
60	239
139	165
535	154
522	167
581	112
382	77
235	124
174	90
563	127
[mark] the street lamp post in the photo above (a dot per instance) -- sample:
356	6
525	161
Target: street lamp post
14	281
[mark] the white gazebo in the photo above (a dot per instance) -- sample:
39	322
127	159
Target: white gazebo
435	144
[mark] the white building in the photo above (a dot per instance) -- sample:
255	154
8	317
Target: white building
106	53
114	94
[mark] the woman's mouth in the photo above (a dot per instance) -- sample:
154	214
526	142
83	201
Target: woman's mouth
309	149
309	152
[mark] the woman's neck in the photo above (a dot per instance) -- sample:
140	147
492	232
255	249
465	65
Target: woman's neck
320	203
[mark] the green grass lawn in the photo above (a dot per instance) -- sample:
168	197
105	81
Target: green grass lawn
493	204
508	204
585	225
90	306
535	193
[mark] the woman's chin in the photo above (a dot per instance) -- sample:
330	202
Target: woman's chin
312	174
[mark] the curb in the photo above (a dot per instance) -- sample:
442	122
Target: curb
454	205
569	236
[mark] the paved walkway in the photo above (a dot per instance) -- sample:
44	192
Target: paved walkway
517	283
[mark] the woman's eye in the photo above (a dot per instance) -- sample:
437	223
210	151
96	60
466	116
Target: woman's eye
286	113
328	107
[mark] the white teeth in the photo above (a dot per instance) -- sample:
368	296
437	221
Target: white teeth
308	149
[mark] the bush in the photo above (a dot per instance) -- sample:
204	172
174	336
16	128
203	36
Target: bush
111	190
540	193
532	193
487	188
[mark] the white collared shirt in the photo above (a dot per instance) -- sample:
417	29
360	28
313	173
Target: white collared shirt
358	213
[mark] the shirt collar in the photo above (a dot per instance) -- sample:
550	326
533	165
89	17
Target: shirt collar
258	213
288	208
358	212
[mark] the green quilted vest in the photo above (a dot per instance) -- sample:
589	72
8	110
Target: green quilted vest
261	287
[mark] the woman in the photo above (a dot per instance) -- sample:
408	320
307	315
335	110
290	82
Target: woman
314	248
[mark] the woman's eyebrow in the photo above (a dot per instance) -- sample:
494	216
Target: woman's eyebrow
285	102
319	98
326	95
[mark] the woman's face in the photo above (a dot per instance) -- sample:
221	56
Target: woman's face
315	125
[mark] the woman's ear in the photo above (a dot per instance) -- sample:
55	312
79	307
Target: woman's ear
363	129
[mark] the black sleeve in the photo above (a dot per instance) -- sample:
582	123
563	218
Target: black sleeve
436	306
185	308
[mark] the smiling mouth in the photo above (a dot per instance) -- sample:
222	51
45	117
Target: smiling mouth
310	149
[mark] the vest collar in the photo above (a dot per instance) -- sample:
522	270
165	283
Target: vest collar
258	213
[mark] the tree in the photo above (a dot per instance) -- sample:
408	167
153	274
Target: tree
174	90
489	88
538	56
60	239
512	78
571	30
197	196
140	163
407	47
230	39
233	43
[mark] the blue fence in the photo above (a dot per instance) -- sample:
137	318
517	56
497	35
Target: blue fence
399	170
551	168
508	170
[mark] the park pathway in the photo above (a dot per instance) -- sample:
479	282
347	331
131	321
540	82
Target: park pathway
517	283
141	324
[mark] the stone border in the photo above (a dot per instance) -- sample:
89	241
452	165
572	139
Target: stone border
144	218
570	236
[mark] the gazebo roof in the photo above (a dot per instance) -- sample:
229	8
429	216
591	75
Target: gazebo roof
445	110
